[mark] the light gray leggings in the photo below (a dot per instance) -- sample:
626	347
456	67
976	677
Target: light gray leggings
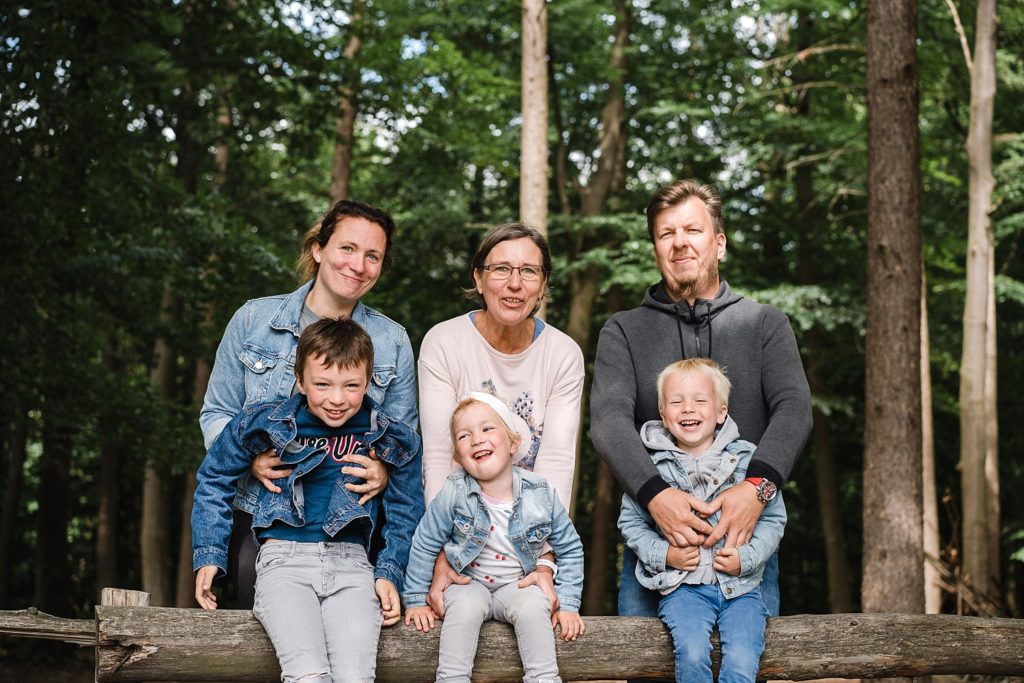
468	607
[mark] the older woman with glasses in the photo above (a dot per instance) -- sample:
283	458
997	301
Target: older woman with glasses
502	348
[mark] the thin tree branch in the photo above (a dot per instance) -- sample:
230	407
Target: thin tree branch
963	35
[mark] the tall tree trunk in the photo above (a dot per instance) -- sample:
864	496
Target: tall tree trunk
603	526
108	489
348	108
992	437
973	372
930	498
17	446
533	158
811	224
154	536
893	552
533	166
52	565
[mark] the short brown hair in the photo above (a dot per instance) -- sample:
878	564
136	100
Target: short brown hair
337	342
677	193
322	231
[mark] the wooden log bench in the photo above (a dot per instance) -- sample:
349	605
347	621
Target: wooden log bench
138	643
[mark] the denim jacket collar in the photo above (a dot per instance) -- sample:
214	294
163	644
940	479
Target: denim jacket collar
287	316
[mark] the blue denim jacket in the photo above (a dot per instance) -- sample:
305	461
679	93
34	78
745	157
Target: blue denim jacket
256	363
272	425
642	535
457	521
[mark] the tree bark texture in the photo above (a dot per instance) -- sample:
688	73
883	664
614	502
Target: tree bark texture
973	372
348	109
151	644
893	553
154	537
930	498
533	165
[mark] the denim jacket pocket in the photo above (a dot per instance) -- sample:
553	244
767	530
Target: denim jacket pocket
383	375
263	371
539	533
463	526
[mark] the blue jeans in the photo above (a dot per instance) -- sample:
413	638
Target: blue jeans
691	612
637	601
318	605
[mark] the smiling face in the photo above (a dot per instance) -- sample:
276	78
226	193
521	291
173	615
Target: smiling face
350	262
510	302
334	394
691	409
483	444
687	250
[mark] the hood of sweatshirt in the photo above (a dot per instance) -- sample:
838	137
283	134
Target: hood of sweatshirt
696	317
658	439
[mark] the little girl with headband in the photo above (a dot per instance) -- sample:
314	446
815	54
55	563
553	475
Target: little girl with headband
494	521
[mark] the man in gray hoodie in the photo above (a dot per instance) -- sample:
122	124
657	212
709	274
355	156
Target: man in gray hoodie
690	313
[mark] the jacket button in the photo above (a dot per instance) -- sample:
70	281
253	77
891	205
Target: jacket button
728	590
259	365
714	481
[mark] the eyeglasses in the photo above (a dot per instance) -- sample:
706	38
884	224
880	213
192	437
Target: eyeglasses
503	271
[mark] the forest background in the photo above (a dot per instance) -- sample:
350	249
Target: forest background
161	159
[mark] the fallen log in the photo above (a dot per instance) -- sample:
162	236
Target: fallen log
161	644
158	644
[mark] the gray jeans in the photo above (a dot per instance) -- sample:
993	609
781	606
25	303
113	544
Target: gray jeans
318	605
468	607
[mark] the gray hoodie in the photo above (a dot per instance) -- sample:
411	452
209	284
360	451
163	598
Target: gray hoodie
753	343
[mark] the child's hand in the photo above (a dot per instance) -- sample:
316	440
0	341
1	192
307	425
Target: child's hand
727	560
264	468
571	623
684	559
423	617
390	605
204	587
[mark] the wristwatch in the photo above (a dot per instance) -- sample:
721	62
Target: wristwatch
765	488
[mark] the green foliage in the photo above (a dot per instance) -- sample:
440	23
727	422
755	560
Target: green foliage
115	118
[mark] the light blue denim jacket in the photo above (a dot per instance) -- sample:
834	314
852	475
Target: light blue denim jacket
640	531
457	521
272	425
256	363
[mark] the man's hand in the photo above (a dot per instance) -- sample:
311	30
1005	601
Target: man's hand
444	576
422	617
727	560
684	559
204	587
543	578
740	510
673	510
263	469
571	623
371	470
390	605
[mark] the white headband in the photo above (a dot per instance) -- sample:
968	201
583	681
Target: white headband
516	424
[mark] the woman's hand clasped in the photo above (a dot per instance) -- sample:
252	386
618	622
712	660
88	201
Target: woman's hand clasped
265	468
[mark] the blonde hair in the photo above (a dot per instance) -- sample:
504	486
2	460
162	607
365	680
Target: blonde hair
696	366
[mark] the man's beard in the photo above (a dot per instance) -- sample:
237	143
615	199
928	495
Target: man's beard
691	289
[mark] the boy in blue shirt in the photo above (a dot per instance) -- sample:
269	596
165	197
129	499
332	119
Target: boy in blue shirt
696	448
320	600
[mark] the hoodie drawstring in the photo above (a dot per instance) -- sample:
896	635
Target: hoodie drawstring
697	321
679	330
707	305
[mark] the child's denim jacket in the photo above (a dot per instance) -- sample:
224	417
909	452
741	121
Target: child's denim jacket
643	537
256	364
272	425
458	522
